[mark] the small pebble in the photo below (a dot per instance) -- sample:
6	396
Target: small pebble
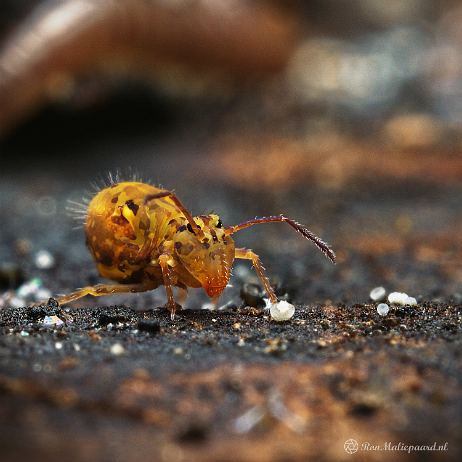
282	311
397	297
52	321
378	294
401	299
382	309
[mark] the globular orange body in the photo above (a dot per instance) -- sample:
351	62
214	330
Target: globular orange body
127	236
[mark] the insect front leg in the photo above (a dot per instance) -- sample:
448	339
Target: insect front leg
105	289
249	255
163	260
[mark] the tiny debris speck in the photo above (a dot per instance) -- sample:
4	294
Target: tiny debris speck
401	298
52	321
117	349
282	311
382	309
378	294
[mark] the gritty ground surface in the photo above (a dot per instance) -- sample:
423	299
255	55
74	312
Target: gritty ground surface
230	385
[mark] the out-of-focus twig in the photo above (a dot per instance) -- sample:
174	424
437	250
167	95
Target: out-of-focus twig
68	40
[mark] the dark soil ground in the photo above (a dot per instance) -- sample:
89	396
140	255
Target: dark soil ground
229	385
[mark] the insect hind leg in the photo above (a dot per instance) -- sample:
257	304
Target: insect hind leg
105	289
163	260
249	255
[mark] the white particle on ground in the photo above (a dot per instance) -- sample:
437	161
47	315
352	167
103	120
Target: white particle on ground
378	294
382	309
401	298
117	349
282	311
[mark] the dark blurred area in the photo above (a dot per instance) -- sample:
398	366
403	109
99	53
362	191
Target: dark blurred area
389	69
367	65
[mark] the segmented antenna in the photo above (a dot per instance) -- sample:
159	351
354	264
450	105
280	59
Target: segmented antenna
324	247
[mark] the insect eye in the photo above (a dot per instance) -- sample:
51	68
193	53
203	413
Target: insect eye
219	224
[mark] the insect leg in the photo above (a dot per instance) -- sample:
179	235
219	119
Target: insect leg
249	255
182	294
163	260
328	252
105	289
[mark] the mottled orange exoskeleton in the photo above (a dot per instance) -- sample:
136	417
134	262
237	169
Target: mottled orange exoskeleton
143	237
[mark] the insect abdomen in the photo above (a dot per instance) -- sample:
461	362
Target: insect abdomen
122	233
